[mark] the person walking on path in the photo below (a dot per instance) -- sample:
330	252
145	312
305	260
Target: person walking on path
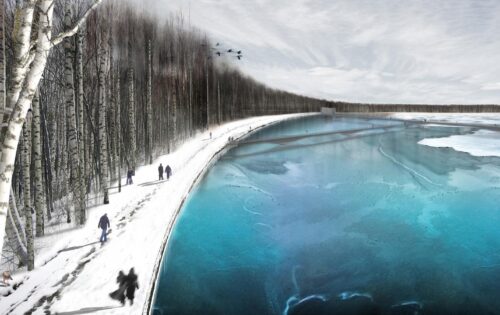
130	173
132	285
119	294
103	225
168	171
160	172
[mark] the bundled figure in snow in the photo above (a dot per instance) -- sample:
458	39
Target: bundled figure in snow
132	284
168	171
103	225
6	277
130	173
122	287
160	172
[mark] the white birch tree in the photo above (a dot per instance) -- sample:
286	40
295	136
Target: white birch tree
28	210
37	163
149	109
31	49
131	119
103	147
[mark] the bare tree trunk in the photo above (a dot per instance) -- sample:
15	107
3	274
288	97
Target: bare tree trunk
81	126
208	96
37	158
111	107
28	212
149	110
118	129
2	58
18	235
190	109
218	103
131	119
103	147
73	153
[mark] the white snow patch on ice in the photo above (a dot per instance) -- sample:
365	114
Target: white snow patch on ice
490	119
480	143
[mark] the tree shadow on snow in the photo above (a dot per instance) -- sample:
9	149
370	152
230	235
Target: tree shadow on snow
88	310
77	247
152	183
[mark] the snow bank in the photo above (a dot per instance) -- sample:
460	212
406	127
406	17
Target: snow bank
480	143
468	118
74	273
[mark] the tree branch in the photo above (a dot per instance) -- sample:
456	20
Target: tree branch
56	40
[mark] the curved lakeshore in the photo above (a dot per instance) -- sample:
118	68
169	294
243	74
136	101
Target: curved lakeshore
145	215
199	176
315	217
141	218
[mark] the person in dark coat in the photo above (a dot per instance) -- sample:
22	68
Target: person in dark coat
103	225
132	284
119	294
130	173
168	170
160	172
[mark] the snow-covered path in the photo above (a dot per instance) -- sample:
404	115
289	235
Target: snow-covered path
75	273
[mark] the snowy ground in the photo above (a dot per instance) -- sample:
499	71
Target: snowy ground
74	273
480	143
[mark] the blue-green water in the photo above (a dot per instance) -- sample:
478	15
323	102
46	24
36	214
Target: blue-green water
366	223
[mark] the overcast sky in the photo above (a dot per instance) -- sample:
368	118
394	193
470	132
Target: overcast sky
385	51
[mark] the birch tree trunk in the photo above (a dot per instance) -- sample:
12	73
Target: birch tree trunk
149	109
208	96
81	124
37	159
103	147
190	108
21	36
219	114
27	69
118	129
71	112
17	234
27	196
2	59
174	116
131	119
112	122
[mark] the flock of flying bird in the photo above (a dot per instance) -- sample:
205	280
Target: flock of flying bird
219	51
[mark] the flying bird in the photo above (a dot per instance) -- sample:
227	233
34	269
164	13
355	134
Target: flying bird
239	52
230	50
218	53
239	57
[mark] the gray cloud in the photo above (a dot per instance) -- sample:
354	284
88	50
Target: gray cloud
414	51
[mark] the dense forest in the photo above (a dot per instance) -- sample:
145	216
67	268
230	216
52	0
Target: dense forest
119	87
422	108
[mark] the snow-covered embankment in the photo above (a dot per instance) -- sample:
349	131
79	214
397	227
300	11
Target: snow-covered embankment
74	273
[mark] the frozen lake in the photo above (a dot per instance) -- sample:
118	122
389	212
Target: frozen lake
363	223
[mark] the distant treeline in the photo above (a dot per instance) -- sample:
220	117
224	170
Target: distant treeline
343	107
